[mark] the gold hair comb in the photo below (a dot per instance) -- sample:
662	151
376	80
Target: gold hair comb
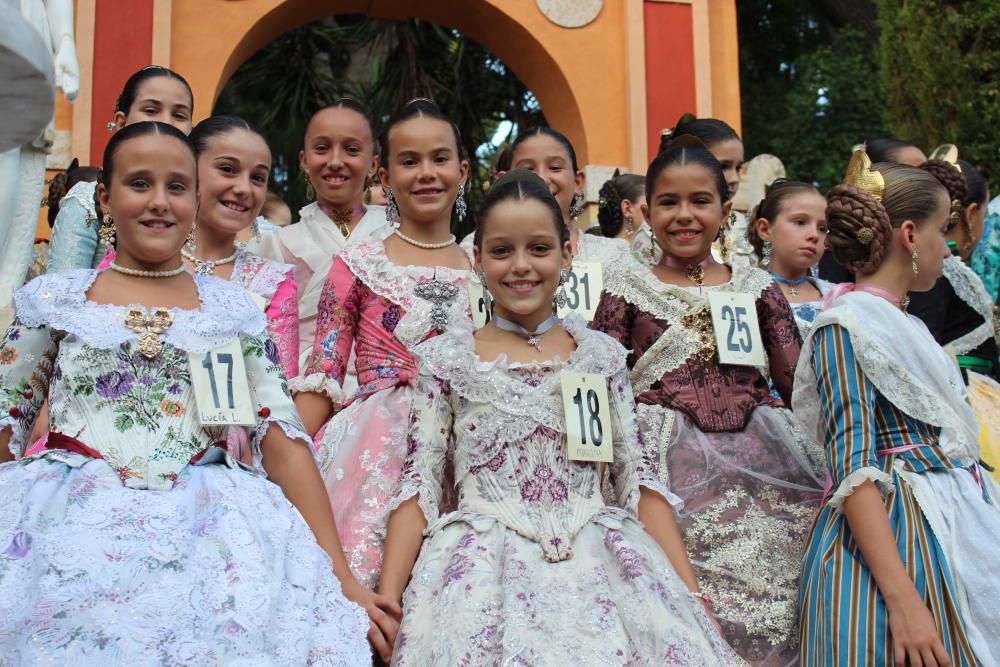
947	153
860	175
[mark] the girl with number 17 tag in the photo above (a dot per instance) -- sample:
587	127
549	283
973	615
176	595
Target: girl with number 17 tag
534	566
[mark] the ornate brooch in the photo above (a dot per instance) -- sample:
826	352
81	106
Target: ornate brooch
439	294
149	328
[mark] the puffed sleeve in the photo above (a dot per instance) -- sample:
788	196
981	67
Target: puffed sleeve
272	400
74	236
428	436
27	360
336	324
847	413
781	337
282	314
629	470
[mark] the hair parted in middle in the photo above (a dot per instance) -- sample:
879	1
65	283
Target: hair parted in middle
683	151
519	185
770	206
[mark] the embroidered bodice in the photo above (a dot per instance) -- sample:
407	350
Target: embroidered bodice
274	282
510	455
380	310
673	359
137	413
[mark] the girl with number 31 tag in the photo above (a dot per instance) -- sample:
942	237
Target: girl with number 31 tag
533	566
749	477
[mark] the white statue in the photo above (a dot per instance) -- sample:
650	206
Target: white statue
22	170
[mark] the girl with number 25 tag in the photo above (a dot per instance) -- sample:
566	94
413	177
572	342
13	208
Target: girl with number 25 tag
700	335
532	541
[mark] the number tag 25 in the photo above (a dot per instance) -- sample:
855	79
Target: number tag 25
737	331
220	384
583	290
588	417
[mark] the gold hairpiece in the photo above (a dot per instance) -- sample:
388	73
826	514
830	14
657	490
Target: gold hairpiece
860	175
947	153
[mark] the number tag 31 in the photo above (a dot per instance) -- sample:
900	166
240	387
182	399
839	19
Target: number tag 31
220	384
588	416
737	332
477	300
583	290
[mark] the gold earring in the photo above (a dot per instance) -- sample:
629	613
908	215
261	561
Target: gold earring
106	230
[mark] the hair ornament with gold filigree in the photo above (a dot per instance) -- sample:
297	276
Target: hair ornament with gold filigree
861	175
943	165
858	222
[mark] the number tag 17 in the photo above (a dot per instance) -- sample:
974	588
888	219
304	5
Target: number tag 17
737	331
588	416
220	384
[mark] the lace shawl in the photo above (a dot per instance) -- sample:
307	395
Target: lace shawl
900	357
59	301
670	303
970	289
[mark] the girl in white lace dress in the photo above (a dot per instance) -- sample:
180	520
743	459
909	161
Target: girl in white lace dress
134	538
534	567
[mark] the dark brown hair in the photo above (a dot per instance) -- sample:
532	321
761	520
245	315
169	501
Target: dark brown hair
615	190
769	207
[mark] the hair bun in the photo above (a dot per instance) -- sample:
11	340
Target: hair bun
684	141
951	177
860	229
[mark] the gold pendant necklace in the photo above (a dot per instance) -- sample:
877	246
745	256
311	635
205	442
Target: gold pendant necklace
149	328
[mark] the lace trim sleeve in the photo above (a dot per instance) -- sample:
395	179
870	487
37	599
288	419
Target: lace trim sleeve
319	383
293	431
883	481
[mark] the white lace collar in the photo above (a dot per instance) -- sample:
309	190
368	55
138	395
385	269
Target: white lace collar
59	301
900	357
969	288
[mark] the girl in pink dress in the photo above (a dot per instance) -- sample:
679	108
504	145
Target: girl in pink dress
382	297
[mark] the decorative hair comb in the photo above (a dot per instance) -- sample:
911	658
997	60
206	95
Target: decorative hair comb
947	153
860	175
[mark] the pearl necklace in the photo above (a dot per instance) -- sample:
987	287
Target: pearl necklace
421	244
206	267
170	273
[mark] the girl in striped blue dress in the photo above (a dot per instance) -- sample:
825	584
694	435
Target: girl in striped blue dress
900	567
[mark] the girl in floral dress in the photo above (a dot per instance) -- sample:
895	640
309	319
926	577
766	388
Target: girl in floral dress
788	236
533	567
134	538
381	298
749	477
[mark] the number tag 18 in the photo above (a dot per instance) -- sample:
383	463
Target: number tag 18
588	416
477	300
220	384
737	331
583	290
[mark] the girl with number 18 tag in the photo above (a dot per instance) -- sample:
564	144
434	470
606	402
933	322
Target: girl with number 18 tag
534	566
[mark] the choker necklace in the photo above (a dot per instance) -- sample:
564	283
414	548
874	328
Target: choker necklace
139	273
695	272
421	244
206	267
532	336
792	284
891	297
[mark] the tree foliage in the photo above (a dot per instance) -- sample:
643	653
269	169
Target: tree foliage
384	64
940	65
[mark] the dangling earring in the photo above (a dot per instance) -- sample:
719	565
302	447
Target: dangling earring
310	192
487	299
106	230
913	260
765	256
720	238
629	228
814	271
255	228
732	219
576	205
190	243
111	126
461	208
368	190
561	298
391	209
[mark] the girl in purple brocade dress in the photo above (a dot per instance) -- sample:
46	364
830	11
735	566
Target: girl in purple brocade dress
749	477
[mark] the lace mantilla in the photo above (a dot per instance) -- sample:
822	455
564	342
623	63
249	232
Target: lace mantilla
83	194
369	262
259	275
520	408
687	315
970	289
59	301
899	356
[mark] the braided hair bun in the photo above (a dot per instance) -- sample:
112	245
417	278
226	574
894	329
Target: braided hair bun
952	179
618	188
859	228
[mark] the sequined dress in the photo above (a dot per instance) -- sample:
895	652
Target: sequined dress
749	476
534	567
134	538
373	308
